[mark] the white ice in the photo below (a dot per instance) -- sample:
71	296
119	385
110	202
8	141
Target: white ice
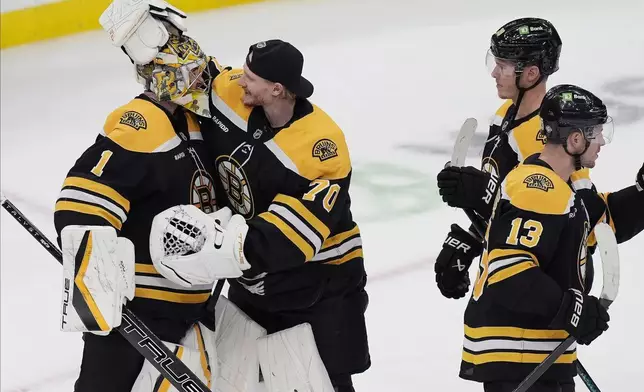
399	77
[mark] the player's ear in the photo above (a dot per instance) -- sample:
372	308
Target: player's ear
533	74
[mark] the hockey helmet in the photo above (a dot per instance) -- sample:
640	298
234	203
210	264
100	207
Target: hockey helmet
524	42
567	108
179	73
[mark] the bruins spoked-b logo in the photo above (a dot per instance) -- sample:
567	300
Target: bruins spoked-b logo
235	183
539	181
202	192
325	149
134	120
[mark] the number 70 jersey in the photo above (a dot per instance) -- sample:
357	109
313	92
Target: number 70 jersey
292	186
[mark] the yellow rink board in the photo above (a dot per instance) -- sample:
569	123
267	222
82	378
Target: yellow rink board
74	16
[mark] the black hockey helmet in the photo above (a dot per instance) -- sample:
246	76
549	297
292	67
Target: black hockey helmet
528	41
567	108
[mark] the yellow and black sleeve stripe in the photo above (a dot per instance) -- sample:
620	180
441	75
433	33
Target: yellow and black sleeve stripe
298	224
89	197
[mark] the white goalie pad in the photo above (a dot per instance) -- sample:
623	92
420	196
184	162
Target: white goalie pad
236	337
290	361
98	275
196	350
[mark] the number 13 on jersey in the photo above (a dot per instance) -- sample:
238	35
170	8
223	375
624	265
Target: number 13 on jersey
532	230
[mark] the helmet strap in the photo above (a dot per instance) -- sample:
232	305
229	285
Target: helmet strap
522	91
577	157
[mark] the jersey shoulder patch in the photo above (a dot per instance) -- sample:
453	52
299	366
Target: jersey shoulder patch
314	147
141	126
538	189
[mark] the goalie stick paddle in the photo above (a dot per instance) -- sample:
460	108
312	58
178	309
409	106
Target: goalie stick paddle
133	330
459	153
607	245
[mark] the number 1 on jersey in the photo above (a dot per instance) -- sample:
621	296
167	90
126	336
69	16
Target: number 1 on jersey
98	169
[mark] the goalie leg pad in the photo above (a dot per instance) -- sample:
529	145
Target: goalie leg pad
290	361
196	350
98	274
236	345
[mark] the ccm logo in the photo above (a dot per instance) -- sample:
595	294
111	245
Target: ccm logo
453	242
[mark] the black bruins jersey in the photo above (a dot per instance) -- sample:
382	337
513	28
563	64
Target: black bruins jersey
145	161
536	247
292	186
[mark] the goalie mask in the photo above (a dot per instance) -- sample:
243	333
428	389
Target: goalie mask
179	73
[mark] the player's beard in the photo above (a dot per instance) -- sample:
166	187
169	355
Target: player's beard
251	100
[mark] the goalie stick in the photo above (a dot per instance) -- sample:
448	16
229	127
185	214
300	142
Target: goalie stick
133	330
610	286
459	153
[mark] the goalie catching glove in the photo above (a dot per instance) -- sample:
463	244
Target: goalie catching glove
191	248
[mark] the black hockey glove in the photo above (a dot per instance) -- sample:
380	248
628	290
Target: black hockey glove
582	316
453	262
639	181
467	187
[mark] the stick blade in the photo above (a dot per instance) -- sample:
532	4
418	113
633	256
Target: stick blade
462	143
607	245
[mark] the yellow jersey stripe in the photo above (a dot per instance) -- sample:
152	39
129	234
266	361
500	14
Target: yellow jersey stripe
90	210
168	296
510	272
349	256
514	332
145	269
87	296
289	233
304	212
99	188
498	253
340	237
479	359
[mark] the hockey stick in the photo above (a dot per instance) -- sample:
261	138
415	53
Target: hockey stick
610	264
132	329
461	145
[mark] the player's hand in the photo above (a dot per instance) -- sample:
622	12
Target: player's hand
639	181
465	187
583	316
453	262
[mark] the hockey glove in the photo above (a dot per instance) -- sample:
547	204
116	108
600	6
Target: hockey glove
453	262
582	316
468	187
639	181
192	248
